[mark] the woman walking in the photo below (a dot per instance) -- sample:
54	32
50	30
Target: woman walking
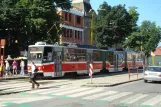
14	64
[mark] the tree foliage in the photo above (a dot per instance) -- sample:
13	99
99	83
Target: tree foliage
146	39
134	17
112	25
28	21
31	18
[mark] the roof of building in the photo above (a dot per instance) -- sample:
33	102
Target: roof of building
84	5
157	51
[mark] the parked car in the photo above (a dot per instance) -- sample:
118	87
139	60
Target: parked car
152	73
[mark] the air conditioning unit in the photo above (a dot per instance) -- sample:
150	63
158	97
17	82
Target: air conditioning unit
40	43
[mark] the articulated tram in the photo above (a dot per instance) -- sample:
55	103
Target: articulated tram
56	61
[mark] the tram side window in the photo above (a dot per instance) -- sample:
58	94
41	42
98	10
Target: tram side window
120	58
47	57
96	56
129	57
75	55
71	55
110	57
81	55
139	57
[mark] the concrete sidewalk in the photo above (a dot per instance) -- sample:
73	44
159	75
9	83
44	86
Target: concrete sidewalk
14	77
113	80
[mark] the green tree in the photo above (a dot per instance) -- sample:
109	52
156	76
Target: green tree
146	39
28	21
134	17
112	26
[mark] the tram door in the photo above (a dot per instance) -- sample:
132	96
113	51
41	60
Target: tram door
118	59
58	64
89	58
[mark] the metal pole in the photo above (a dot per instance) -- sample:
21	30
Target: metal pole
137	72
129	71
92	22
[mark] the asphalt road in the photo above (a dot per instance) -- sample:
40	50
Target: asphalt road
148	94
139	87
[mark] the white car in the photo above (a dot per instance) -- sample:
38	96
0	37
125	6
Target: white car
152	73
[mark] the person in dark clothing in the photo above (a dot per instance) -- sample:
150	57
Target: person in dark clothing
33	76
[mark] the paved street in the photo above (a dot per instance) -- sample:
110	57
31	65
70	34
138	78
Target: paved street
60	93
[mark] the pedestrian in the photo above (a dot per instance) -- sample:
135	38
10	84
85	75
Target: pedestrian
22	65
33	75
7	68
14	64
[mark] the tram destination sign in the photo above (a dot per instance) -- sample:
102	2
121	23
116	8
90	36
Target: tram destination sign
35	48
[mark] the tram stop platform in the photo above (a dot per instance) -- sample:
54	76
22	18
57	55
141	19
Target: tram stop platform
113	79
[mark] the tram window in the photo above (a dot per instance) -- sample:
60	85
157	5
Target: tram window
35	57
129	57
47	57
96	56
120	58
110	57
70	55
81	54
139	57
75	55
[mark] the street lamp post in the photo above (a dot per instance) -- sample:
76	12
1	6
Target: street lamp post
92	24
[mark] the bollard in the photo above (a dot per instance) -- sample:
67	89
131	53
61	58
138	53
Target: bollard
129	71
90	72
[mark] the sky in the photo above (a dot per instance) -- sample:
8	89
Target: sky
148	9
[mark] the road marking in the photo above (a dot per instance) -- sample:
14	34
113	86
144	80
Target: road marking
13	85
100	95
72	91
58	90
18	89
114	97
27	99
134	98
152	101
86	92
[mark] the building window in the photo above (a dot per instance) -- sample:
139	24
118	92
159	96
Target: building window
75	34
64	32
78	20
66	16
71	33
78	35
67	33
70	17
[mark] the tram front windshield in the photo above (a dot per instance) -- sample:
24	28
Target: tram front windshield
35	55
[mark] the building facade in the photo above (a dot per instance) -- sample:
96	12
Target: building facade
76	28
72	26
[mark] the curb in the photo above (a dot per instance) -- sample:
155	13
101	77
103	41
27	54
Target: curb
13	78
109	85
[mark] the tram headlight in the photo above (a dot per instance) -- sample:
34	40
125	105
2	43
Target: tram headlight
40	68
28	68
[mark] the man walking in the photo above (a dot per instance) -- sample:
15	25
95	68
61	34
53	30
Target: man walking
33	76
22	65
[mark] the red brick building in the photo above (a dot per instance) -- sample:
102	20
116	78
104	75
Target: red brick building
77	26
73	27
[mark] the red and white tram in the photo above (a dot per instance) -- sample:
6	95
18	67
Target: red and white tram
56	61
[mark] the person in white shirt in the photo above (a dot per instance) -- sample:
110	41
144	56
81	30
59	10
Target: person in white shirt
7	68
22	65
33	76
